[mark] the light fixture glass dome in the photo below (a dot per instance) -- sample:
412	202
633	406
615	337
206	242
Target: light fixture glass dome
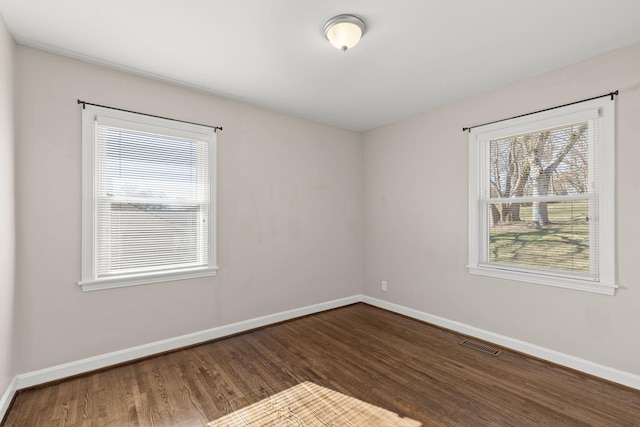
344	31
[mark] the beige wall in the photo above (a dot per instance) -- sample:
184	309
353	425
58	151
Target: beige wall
415	220
288	217
7	210
292	195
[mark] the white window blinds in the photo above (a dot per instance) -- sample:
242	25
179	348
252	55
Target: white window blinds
152	204
538	199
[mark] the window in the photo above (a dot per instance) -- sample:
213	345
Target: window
148	199
541	198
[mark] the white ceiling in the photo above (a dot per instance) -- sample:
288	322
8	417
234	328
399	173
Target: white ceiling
416	54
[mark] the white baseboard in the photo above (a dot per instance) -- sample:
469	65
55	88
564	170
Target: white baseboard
53	373
621	377
109	359
7	397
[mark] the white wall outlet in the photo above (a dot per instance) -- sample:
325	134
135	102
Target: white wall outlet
383	285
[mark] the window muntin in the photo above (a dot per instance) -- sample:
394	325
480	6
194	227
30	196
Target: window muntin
149	199
541	198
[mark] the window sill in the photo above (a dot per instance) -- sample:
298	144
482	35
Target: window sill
561	282
144	279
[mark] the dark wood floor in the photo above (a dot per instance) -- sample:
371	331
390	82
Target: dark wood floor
388	361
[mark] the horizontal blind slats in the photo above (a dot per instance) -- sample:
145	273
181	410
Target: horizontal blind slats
153	197
538	199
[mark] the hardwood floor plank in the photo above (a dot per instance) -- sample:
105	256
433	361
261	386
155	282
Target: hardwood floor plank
356	355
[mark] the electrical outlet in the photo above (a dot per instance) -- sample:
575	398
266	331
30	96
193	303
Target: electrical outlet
383	285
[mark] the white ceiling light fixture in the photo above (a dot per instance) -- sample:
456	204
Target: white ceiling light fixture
344	31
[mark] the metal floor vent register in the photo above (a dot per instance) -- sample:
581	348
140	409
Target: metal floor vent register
480	347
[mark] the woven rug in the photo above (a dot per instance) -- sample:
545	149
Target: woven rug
308	404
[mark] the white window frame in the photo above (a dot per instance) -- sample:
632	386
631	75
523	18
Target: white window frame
603	109
90	280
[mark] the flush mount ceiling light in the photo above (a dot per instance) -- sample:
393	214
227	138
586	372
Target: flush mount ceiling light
344	31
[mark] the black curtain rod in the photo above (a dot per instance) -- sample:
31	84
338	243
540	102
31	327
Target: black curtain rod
84	104
611	94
